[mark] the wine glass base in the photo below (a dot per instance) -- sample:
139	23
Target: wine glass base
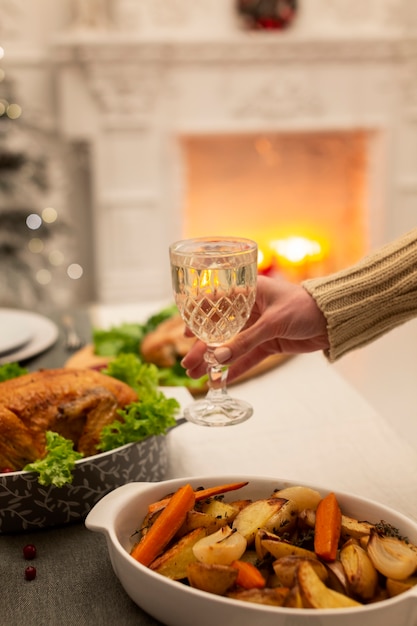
228	412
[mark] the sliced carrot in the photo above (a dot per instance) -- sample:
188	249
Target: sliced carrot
327	528
165	526
200	494
248	575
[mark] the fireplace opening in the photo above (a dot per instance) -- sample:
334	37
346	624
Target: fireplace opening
301	195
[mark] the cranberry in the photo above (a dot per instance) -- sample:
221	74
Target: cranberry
30	572
29	552
6	470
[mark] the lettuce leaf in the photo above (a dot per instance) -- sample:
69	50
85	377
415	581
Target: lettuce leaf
175	376
11	370
127	337
153	414
56	467
118	340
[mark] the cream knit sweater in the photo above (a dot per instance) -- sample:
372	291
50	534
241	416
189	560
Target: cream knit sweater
370	298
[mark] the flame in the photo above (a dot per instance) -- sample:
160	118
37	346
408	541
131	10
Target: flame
297	250
208	281
297	255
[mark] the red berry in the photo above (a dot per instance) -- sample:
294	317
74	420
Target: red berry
6	470
30	572
29	552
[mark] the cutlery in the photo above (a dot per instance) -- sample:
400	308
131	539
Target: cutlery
73	341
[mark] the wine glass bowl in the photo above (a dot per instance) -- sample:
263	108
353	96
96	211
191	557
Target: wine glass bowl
214	285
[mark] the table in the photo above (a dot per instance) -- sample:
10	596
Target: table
309	425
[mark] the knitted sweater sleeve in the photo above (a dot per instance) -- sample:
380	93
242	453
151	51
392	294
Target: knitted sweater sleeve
370	298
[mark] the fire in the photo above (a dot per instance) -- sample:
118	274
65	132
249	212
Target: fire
297	250
296	255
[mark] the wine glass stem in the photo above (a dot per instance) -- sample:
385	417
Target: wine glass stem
217	376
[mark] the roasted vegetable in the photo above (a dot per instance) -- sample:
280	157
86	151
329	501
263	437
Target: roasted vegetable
315	594
222	547
277	550
174	562
165	526
213	578
391	556
271	513
327	528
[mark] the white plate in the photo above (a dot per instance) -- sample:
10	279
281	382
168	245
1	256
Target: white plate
42	334
13	334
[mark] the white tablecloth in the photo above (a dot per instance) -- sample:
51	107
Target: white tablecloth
308	425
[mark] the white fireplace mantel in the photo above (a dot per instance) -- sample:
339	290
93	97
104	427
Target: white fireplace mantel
131	98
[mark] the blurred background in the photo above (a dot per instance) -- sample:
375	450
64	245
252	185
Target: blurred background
126	124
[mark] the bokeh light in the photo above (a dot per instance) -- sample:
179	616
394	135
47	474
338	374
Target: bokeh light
33	221
14	111
49	215
36	245
56	257
75	271
43	277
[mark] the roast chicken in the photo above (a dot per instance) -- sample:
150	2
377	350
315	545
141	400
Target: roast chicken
167	343
75	403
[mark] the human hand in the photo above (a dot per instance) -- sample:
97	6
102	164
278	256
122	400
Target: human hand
284	319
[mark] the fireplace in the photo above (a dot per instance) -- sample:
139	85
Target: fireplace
296	139
300	195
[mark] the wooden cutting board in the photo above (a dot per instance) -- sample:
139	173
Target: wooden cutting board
86	358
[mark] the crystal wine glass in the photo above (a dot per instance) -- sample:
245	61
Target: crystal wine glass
214	284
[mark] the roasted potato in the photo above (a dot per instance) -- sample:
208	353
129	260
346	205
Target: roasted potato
259	514
213	578
274	597
286	567
173	562
315	594
197	519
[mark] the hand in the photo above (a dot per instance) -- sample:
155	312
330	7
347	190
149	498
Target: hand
284	319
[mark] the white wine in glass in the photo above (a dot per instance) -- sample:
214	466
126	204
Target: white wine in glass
214	284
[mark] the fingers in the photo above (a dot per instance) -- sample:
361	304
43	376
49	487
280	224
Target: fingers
194	361
238	367
246	343
245	363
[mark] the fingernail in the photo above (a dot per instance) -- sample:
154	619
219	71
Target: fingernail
222	354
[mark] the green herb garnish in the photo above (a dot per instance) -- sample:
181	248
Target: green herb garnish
388	530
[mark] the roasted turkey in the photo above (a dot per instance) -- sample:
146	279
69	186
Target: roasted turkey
75	403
